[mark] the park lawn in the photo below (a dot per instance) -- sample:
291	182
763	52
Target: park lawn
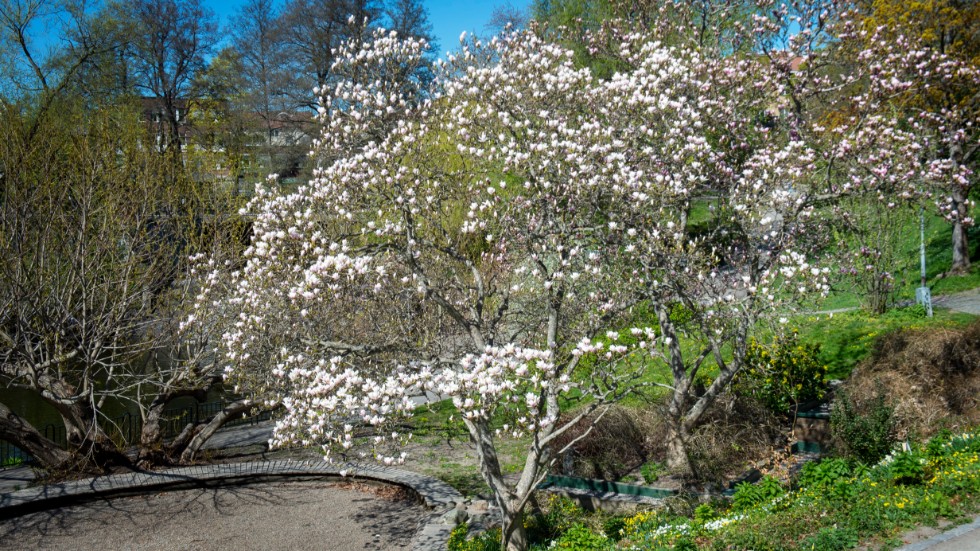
846	338
907	273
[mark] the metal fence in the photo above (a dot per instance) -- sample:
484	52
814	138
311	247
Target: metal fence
126	428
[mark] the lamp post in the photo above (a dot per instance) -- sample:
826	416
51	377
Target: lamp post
922	294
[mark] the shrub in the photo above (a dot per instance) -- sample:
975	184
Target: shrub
832	477
907	468
484	541
824	474
704	513
651	471
782	374
580	537
867	437
748	496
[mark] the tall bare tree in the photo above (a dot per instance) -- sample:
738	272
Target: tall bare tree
313	29
410	18
171	42
259	37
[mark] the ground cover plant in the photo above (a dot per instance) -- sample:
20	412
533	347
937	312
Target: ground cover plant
832	504
836	503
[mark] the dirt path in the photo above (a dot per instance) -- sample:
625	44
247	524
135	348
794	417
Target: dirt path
286	515
967	301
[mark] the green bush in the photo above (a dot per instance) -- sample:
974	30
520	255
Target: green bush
651	471
704	513
908	468
866	437
580	537
748	496
484	541
782	374
832	477
824	474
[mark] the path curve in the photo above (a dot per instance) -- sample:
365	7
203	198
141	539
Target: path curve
437	496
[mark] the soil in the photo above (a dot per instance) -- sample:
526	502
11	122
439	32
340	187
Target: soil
287	515
931	377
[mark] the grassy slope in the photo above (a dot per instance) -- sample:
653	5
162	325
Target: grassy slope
939	257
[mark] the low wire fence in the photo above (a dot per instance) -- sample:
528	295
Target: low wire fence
126	428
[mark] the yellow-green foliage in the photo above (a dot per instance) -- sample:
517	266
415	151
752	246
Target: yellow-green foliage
782	374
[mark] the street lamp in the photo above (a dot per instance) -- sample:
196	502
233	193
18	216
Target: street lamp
922	294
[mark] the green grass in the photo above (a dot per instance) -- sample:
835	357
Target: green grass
939	258
466	480
847	338
956	284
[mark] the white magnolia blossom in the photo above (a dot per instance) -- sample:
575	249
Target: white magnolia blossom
494	239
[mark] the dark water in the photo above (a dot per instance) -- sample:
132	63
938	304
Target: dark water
124	414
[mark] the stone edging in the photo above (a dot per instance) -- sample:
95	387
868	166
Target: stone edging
942	537
440	498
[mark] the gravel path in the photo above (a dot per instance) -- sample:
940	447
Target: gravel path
967	301
335	516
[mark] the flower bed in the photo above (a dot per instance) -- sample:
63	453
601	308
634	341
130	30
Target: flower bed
835	504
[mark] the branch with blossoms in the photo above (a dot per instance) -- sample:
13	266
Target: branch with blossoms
479	241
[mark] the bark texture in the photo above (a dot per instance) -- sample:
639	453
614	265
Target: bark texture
17	431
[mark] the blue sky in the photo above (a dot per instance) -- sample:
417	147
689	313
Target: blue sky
449	17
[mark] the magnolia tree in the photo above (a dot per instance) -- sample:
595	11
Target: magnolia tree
934	96
501	238
892	121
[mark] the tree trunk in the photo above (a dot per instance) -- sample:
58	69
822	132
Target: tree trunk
678	460
151	435
961	208
90	448
961	248
514	536
17	431
152	450
204	432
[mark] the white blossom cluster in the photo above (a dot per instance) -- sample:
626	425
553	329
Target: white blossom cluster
478	239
